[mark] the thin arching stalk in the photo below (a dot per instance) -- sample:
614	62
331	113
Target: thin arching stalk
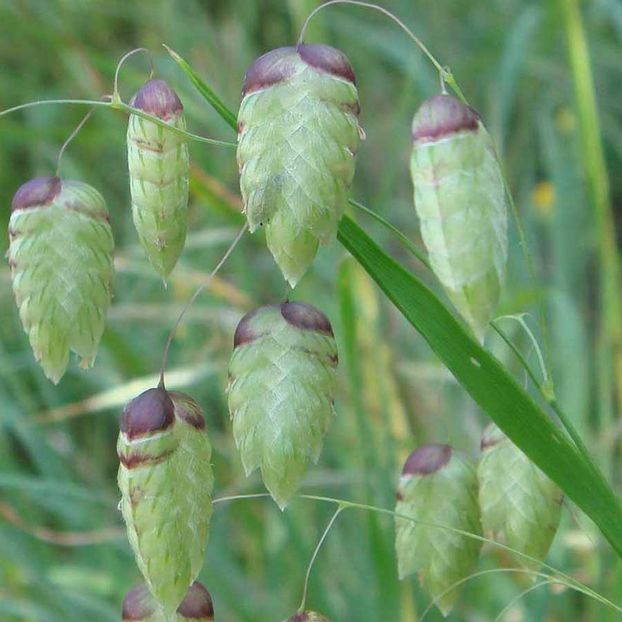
305	589
127	109
444	73
116	97
194	296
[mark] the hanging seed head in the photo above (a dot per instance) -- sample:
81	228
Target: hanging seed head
519	504
437	486
460	201
282	378
140	606
166	482
159	168
307	616
298	135
60	256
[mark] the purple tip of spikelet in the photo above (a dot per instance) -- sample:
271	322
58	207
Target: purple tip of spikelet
280	64
150	412
197	605
37	192
187	409
156	97
491	436
427	459
138	604
306	317
441	116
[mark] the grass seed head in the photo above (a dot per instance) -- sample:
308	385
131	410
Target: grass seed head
298	135
282	382
460	200
437	486
166	482
520	505
159	169
60	257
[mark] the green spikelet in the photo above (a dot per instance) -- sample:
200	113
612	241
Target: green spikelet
298	138
437	486
140	606
166	482
159	170
282	382
460	201
60	256
307	616
520	505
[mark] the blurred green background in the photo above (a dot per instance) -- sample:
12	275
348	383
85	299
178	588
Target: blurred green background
63	553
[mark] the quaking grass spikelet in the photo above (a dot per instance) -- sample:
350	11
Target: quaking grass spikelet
166	482
438	486
159	170
60	256
282	377
520	505
460	201
297	142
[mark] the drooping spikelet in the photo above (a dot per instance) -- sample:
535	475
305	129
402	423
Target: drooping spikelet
437	486
281	390
159	171
298	138
520	505
460	201
140	606
166	482
60	256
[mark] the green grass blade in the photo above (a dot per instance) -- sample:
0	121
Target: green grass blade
205	90
490	385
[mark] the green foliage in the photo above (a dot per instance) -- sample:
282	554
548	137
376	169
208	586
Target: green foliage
298	138
520	505
437	486
61	268
281	392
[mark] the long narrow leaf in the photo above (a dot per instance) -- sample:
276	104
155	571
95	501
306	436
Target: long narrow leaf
490	385
205	90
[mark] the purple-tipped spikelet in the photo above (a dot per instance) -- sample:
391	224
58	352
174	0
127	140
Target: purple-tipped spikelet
460	201
437	486
298	135
166	481
520	505
140	606
159	169
282	377
60	256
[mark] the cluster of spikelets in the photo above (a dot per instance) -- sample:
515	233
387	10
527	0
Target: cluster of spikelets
445	503
298	138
